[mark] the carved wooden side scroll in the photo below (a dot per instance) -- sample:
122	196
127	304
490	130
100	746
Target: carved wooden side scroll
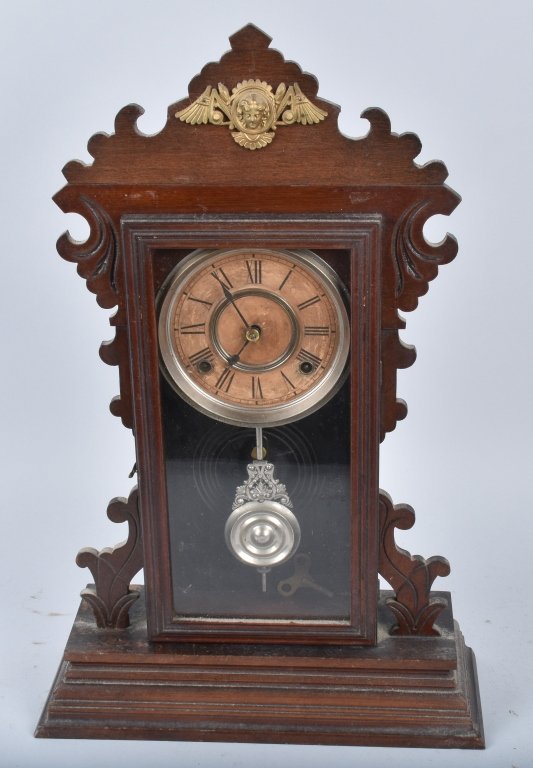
410	576
113	568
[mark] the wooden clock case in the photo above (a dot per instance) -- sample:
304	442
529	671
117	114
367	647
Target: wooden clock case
398	672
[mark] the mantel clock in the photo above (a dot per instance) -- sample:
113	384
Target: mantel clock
258	260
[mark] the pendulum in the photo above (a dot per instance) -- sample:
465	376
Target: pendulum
262	531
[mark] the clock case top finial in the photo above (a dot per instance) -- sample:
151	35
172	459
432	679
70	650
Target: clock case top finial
318	154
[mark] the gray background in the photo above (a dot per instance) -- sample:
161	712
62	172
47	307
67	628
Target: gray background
459	75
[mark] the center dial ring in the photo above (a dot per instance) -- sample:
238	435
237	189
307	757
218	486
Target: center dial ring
268	338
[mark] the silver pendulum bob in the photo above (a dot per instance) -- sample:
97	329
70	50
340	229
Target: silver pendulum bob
261	530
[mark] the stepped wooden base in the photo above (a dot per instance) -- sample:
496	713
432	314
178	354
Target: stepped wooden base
406	691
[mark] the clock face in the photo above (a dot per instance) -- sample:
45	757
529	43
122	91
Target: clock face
254	336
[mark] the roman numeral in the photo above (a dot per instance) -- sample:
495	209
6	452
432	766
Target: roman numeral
308	357
309	302
254	270
200	301
225	379
316	330
289	273
257	392
195	328
203	354
288	381
224	281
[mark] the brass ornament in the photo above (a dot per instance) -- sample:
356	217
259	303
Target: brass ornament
252	112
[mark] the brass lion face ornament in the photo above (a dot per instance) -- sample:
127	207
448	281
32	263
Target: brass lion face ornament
252	111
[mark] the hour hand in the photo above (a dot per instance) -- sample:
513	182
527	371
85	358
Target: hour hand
235	358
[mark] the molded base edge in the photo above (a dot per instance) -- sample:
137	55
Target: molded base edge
406	691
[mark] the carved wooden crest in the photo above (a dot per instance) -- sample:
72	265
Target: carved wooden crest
373	173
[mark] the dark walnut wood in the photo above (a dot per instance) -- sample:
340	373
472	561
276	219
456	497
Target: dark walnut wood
405	692
113	569
411	577
416	685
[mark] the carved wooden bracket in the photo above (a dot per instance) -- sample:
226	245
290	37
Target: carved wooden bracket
394	355
113	568
410	576
97	256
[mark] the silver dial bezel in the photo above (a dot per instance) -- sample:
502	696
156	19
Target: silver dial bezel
242	415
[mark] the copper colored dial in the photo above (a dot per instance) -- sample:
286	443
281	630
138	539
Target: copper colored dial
254	336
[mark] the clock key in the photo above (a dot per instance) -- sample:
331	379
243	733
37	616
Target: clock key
301	578
307	581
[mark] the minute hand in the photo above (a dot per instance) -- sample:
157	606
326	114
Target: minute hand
231	299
